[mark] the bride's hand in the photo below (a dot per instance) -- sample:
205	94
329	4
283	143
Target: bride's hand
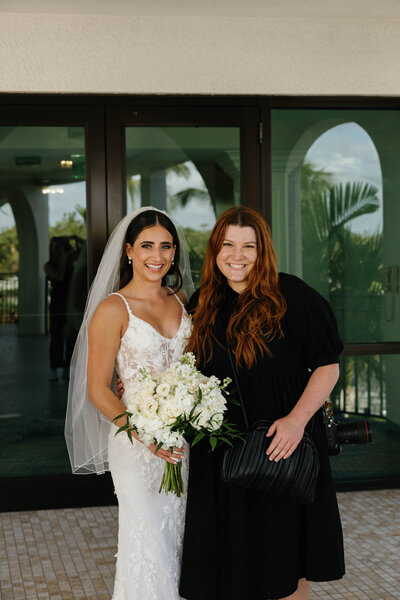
166	455
119	386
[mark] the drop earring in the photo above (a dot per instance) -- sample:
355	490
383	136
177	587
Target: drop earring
129	260
172	262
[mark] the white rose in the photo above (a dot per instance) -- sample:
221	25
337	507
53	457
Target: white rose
187	403
203	416
163	389
169	411
170	377
149	407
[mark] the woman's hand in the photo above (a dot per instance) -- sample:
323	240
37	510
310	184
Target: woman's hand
289	430
119	386
287	434
166	455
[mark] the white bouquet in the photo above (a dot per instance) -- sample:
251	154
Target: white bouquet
175	406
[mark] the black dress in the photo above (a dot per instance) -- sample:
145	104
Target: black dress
246	545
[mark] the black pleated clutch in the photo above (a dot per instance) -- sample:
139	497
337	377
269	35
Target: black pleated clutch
246	464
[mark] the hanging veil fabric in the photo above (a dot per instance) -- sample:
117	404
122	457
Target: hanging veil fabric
86	428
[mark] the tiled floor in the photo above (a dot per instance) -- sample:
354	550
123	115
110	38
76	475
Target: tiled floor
69	554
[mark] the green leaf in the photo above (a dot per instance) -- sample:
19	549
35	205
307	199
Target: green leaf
123	428
198	437
213	442
234	401
159	446
119	416
224	439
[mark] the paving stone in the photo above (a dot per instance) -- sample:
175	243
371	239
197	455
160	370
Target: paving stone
55	554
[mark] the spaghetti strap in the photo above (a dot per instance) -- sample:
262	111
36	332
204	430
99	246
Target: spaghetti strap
176	296
128	308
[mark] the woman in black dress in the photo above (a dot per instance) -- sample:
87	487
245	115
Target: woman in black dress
241	544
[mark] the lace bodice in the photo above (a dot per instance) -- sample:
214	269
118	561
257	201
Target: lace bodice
143	346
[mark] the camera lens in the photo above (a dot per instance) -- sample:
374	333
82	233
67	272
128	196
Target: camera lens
358	432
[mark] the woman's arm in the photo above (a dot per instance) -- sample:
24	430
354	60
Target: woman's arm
105	330
289	430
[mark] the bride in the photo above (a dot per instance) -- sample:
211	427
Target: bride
143	324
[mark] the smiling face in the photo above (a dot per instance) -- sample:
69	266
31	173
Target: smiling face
152	253
237	256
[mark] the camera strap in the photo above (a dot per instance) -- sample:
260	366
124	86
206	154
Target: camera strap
236	380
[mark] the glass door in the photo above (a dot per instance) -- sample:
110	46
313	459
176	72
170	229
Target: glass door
51	230
193	163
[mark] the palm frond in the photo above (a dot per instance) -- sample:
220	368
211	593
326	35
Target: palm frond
351	200
187	194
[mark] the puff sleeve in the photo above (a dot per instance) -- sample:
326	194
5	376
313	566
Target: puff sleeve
311	322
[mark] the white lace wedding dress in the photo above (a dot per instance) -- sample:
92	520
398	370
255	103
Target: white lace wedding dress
150	524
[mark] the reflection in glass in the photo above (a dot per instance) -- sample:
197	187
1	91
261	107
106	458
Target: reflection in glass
361	388
367	388
191	172
336	210
42	290
341	214
336	218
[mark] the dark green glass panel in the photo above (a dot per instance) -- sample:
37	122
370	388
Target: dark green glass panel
43	286
336	218
191	172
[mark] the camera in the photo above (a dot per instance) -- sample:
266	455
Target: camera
338	434
66	246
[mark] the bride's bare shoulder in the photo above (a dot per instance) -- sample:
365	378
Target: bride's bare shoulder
110	310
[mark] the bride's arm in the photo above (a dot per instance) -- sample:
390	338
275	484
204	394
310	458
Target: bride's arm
106	327
105	332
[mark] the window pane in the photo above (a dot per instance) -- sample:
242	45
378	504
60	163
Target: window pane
336	212
42	291
368	388
191	172
335	219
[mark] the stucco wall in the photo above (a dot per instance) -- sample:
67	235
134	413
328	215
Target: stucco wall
208	52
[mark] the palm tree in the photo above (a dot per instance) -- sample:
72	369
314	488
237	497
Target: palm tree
343	263
331	251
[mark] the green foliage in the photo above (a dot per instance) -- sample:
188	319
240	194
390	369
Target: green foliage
342	264
70	224
9	251
197	242
184	196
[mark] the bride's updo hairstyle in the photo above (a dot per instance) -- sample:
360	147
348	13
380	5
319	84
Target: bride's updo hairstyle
259	308
143	220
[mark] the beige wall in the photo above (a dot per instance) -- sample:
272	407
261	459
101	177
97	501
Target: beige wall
214	47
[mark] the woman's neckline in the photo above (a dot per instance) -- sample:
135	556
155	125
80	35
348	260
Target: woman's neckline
132	314
230	293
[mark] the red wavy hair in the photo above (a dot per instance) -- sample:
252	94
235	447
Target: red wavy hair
260	307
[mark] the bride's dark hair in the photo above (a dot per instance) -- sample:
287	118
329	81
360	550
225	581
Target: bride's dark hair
143	220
